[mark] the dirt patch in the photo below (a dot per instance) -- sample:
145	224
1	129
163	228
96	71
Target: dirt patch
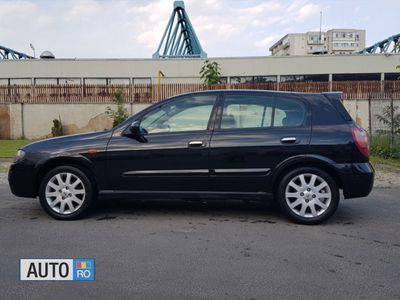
386	176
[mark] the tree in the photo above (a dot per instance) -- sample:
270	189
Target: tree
390	119
210	73
121	113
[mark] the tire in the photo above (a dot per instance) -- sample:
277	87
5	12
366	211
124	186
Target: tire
66	193
308	195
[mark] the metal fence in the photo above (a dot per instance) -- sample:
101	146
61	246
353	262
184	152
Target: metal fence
147	93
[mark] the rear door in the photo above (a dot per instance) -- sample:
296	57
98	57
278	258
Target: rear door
253	134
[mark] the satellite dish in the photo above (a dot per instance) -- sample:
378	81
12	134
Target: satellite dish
47	55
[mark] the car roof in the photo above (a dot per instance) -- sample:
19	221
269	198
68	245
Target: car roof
241	91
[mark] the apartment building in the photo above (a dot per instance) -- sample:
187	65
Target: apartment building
334	41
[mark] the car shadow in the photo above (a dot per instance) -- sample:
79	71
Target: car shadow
256	211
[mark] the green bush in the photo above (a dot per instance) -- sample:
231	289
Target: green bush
121	113
210	72
380	146
57	129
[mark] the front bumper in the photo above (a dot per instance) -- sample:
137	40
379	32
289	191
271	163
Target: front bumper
357	179
21	179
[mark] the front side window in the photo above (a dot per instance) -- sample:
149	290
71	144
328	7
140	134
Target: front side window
242	111
187	114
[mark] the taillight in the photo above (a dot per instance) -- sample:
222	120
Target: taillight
361	140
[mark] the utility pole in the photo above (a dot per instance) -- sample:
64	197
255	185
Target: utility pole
320	27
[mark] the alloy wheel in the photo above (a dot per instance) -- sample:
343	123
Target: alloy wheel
308	195
65	193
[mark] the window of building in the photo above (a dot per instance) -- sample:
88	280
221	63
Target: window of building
95	81
69	81
305	78
118	81
45	81
17	81
242	79
141	80
356	77
392	76
262	79
253	79
223	80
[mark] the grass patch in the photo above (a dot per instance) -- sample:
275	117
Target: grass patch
3	169
8	148
385	161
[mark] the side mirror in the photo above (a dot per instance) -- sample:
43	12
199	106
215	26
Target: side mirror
134	129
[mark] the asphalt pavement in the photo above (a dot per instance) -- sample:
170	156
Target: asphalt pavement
216	250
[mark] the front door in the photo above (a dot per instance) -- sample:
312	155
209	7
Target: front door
173	151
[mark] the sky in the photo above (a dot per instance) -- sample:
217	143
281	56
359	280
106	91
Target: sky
133	28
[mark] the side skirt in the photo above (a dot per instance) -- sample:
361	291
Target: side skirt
186	195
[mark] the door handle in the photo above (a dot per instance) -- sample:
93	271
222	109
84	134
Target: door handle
196	144
287	140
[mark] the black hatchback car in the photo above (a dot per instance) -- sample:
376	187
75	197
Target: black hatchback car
300	148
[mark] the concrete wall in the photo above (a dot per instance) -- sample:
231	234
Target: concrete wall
174	70
359	111
34	121
4	122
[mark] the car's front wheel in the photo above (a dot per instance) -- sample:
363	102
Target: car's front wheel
66	193
308	195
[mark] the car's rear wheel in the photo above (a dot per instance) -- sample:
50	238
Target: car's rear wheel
308	195
66	193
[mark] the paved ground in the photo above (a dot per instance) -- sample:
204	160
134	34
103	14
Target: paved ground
181	250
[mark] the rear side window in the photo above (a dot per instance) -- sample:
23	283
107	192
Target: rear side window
288	113
243	111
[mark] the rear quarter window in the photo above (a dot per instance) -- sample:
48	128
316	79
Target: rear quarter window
323	111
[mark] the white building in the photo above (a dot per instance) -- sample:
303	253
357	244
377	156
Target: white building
334	41
234	70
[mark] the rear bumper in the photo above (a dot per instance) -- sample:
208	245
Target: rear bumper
21	179
356	179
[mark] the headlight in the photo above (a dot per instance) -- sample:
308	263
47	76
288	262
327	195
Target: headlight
20	155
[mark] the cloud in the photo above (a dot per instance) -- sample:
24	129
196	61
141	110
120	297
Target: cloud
16	8
82	8
133	28
267	42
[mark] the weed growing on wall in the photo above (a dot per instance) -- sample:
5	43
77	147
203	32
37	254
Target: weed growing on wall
121	113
